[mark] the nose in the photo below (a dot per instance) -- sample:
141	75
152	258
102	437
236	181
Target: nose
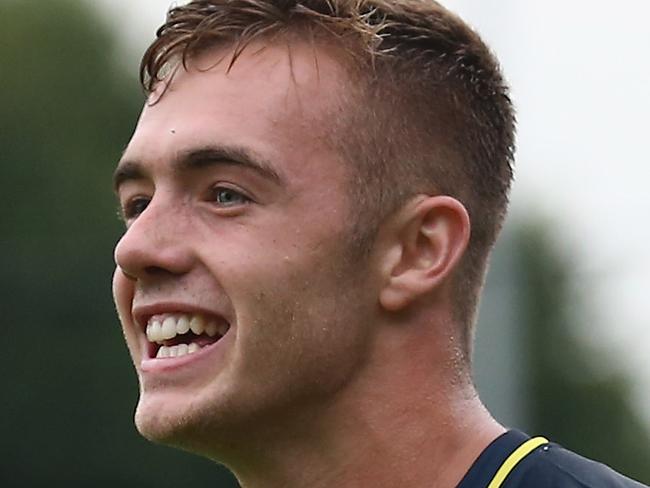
155	243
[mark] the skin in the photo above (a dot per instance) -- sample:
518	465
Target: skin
336	370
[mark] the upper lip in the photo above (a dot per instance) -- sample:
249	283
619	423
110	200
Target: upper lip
142	313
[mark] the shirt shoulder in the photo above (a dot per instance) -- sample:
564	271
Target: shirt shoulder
548	466
552	466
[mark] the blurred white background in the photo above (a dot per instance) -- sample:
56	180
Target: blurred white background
580	74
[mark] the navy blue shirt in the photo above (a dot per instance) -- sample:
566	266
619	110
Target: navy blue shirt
548	466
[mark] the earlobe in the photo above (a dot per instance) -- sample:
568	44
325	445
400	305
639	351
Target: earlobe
432	234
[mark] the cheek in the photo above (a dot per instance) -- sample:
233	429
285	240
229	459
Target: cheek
123	292
306	341
306	311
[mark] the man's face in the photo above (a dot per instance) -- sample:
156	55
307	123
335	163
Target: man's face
237	225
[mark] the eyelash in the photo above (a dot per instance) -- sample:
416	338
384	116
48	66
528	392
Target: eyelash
216	190
137	205
131	210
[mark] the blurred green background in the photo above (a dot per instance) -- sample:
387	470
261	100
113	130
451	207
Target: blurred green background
67	110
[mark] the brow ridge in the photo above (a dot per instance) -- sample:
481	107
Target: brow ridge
198	158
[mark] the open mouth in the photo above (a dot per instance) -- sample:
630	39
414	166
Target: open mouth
180	334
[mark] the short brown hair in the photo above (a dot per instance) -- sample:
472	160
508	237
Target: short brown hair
431	112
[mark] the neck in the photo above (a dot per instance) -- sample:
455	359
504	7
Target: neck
418	429
410	448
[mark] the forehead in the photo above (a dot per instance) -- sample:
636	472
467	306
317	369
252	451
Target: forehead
276	100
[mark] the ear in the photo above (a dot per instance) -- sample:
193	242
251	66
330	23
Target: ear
427	240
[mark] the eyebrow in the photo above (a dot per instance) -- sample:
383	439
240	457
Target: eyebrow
199	158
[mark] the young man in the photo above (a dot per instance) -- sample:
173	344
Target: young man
311	195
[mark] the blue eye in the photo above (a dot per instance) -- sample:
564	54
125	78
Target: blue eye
227	197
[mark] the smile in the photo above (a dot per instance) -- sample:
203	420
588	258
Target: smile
180	334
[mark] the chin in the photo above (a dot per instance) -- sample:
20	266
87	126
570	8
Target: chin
163	419
157	422
186	422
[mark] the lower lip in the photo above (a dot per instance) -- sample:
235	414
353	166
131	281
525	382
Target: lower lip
155	365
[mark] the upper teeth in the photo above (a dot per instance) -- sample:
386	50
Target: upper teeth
166	327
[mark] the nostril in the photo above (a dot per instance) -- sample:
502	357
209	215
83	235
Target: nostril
149	248
156	271
128	276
